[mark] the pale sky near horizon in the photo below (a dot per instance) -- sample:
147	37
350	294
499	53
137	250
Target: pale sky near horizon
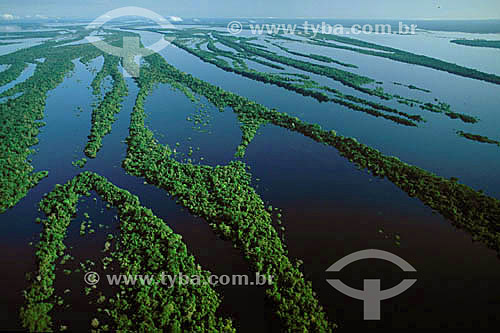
352	9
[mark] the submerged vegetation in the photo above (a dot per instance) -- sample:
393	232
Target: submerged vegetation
317	57
464	207
478	138
146	246
401	56
13	72
495	44
441	107
20	115
347	78
103	115
224	198
304	85
298	83
412	87
80	163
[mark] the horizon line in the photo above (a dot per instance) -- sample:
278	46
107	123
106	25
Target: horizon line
266	17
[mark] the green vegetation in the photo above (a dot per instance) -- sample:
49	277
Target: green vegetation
267	63
36	34
495	44
466	208
376	106
441	107
316	57
103	115
412	87
20	116
80	163
401	56
464	117
478	138
223	197
301	84
7	43
15	69
347	78
146	246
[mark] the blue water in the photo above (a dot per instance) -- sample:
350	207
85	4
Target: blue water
26	74
21	44
433	146
215	139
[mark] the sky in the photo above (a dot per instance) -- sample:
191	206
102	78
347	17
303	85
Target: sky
348	9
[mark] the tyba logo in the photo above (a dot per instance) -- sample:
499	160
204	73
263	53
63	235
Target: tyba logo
131	49
371	295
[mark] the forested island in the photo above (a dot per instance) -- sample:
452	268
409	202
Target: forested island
494	44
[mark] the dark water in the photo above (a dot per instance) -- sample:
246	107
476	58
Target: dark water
330	209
